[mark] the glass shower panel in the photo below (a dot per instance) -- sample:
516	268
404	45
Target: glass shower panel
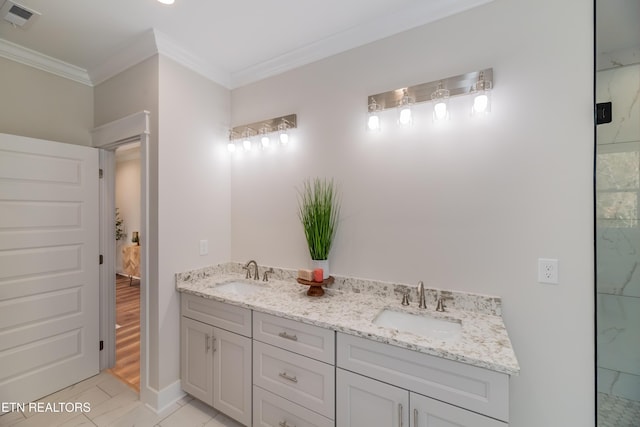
617	199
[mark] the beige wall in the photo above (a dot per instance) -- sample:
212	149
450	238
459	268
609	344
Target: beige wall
189	190
129	92
194	200
471	205
127	198
41	105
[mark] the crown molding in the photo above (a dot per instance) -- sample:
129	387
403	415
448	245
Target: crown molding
43	62
153	42
169	48
135	51
420	14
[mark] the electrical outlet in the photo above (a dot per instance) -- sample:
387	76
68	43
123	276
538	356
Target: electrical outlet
548	271
204	247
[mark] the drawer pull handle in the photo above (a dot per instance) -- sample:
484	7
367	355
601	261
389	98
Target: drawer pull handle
287	336
284	424
207	346
287	377
400	414
415	418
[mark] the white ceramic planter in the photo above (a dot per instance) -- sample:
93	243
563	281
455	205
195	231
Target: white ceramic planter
324	265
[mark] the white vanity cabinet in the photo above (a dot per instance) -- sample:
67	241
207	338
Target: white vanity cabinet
216	355
380	384
293	373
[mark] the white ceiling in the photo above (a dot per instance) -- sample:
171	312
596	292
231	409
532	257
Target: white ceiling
233	42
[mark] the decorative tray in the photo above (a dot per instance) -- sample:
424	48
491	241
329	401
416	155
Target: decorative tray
315	288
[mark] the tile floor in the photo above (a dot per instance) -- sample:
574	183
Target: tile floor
113	403
617	412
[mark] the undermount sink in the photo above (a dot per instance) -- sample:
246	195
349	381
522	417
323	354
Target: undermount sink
422	325
239	288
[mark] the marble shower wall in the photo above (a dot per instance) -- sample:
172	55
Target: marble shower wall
618	233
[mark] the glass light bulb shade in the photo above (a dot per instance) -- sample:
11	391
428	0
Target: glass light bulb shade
265	141
405	118
231	146
166	1
284	138
373	124
246	144
440	111
481	104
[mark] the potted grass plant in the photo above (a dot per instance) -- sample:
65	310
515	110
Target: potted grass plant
318	210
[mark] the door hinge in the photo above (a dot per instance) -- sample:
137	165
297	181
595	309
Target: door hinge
101	259
100	173
101	345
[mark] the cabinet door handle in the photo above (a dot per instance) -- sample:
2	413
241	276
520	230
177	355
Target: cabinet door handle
207	346
415	418
288	377
214	344
284	424
399	414
287	336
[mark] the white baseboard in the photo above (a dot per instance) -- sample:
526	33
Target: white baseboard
161	400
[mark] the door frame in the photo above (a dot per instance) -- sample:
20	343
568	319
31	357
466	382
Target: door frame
107	138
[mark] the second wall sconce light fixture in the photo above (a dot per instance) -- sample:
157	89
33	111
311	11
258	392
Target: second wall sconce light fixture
477	83
259	134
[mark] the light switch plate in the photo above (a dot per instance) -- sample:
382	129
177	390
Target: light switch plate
204	247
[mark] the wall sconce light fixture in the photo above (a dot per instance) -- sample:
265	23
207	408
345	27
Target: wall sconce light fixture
231	145
440	99
373	122
264	136
246	138
405	118
481	96
477	83
283	129
266	128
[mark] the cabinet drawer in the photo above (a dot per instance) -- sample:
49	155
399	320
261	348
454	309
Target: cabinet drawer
307	340
304	381
477	389
270	410
426	412
225	316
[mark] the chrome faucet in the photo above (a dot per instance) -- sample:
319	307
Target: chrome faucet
441	306
247	267
265	275
422	303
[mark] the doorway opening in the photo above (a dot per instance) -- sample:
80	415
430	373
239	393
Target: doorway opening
108	138
127	277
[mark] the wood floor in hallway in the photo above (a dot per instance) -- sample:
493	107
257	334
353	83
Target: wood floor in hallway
127	366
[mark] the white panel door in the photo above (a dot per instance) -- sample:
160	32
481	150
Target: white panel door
48	266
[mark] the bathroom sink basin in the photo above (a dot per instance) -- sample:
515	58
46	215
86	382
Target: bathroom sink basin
239	288
424	326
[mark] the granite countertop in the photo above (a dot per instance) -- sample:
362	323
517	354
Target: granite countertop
350	306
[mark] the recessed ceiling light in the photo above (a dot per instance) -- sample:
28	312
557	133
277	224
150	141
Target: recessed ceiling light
166	1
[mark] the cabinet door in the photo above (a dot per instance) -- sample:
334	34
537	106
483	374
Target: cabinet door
232	375
196	362
427	412
363	402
